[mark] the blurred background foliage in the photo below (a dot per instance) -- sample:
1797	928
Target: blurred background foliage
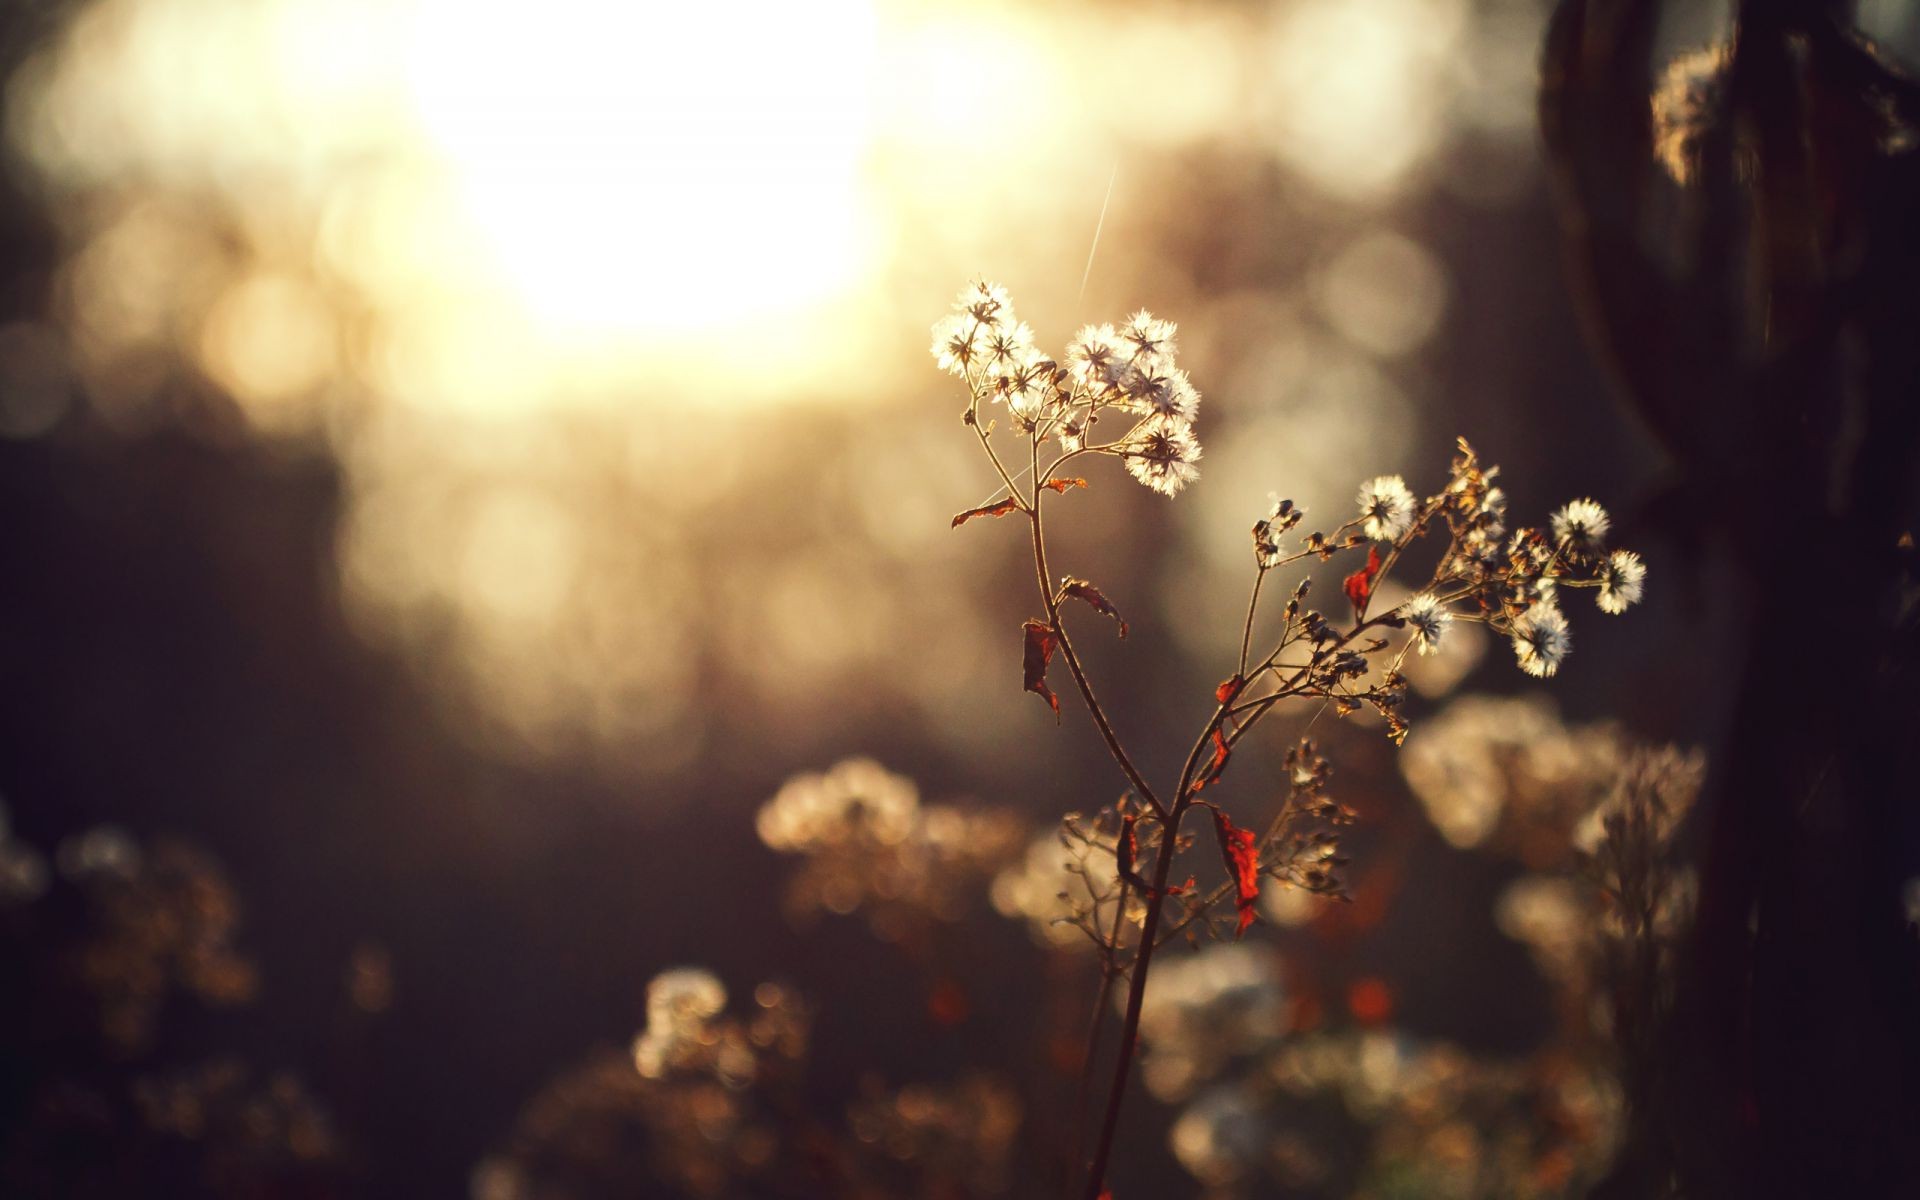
459	460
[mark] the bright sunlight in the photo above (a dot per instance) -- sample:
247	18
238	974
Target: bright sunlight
645	168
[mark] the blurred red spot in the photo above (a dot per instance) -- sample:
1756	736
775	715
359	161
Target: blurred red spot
947	1004
1370	1001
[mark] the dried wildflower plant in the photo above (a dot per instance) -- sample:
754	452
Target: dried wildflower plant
1118	393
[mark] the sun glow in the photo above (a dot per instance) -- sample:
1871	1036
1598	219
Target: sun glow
654	167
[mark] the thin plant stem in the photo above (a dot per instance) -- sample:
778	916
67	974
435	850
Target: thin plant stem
1109	971
1246	632
1079	673
1136	992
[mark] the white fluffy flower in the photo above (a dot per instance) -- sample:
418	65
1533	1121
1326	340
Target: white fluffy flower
1157	391
1147	337
1161	452
958	342
1095	356
1005	347
1583	524
1386	507
1540	639
1426	620
1025	386
1622	578
987	303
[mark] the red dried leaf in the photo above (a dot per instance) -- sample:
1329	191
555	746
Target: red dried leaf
1041	643
1181	889
992	510
1061	485
1360	583
1220	753
1240	850
1229	689
1080	589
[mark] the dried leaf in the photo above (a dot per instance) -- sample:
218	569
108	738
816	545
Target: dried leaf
1229	689
1219	763
1080	589
1041	643
1360	583
1061	485
992	510
1240	850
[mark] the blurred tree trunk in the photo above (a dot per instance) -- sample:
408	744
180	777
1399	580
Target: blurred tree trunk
1763	318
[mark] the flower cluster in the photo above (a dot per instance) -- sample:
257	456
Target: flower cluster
1508	582
1125	372
870	845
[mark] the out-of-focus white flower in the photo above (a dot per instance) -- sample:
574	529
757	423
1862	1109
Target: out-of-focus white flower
1549	914
1161	452
1386	507
855	798
1222	1136
1583	524
680	1002
1200	1011
23	873
1289	906
1622	578
105	850
1046	886
1426	620
1541	640
683	997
